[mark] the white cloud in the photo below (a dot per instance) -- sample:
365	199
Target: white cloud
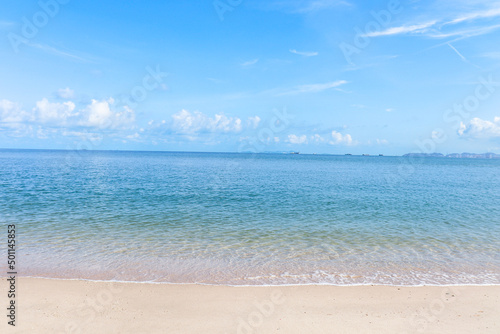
316	138
250	62
335	138
304	53
134	136
64	120
41	133
54	113
97	114
66	93
189	123
84	135
314	88
382	141
338	138
11	112
254	121
294	139
100	114
479	128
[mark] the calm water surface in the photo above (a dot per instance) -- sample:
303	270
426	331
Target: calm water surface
252	219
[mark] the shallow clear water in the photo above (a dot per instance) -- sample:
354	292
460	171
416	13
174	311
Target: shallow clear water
253	219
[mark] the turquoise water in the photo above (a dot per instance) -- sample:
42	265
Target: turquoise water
252	219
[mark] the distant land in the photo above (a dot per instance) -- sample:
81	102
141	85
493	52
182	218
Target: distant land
455	155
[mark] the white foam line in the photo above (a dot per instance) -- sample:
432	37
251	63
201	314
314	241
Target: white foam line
260	285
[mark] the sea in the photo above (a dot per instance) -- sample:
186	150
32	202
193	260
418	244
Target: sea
251	219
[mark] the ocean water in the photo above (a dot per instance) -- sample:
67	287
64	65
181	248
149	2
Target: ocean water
252	219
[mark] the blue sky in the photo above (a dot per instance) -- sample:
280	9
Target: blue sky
315	76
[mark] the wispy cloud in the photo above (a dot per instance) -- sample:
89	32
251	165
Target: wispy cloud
463	33
415	28
458	53
316	5
302	6
66	93
476	15
461	56
250	62
215	80
359	106
304	53
313	88
57	52
492	55
6	24
446	27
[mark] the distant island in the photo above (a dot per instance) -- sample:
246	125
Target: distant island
455	155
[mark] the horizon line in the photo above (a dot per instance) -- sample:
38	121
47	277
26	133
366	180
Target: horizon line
243	152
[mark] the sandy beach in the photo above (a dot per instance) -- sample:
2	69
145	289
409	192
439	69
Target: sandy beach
71	306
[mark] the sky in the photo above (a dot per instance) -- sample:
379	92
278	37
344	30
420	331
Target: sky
314	76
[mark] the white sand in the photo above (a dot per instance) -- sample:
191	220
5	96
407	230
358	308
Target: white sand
62	306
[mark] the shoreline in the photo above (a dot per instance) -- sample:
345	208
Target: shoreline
256	285
81	306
